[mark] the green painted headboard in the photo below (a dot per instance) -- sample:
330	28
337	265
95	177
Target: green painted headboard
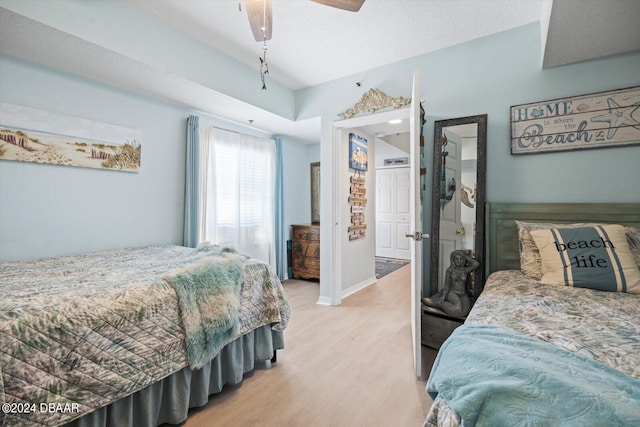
502	252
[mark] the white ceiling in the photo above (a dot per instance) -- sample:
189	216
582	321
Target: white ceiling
313	43
580	30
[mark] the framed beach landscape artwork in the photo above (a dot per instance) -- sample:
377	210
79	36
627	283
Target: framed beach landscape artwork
38	136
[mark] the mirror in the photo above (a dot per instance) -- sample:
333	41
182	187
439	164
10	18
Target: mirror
315	193
457	219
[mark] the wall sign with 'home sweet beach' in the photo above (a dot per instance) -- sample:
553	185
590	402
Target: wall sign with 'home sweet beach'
604	119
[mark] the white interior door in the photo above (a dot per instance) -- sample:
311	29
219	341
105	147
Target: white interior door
392	212
385	189
415	205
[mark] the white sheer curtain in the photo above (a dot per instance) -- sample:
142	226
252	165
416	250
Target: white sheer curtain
240	193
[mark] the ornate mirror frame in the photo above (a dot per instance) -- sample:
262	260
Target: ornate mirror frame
480	198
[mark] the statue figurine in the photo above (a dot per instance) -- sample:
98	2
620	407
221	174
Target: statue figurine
453	298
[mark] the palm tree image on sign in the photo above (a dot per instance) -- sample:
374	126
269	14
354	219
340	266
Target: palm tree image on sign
358	158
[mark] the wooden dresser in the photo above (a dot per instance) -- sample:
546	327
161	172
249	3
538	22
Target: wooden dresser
305	251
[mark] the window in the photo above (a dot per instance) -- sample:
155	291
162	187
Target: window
240	203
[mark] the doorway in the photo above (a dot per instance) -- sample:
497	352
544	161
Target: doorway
337	254
354	261
391	221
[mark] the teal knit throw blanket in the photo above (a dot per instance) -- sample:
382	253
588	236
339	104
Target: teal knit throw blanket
209	299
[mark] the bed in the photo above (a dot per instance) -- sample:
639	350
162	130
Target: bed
132	337
532	352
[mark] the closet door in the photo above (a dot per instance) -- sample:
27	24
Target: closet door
392	213
385	228
402	213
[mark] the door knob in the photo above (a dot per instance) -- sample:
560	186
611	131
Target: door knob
460	231
417	236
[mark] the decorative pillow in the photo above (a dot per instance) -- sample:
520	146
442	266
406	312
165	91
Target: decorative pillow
633	239
530	263
596	257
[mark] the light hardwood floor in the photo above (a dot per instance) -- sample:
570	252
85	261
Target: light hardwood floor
349	365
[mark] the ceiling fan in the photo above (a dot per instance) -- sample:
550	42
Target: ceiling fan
259	13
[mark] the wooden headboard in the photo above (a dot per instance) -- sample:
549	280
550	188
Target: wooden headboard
502	252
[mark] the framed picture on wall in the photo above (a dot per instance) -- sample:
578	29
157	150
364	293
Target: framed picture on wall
38	136
315	193
358	158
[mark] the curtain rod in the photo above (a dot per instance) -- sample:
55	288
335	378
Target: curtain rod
247	134
214	122
228	130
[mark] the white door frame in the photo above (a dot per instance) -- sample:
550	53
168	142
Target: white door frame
415	227
337	129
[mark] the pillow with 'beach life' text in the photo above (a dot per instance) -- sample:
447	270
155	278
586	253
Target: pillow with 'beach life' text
530	263
595	257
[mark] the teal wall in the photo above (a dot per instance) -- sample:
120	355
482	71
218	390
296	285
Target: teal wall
488	76
49	210
120	27
296	182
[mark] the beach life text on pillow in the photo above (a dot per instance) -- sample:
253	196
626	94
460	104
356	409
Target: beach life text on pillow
596	257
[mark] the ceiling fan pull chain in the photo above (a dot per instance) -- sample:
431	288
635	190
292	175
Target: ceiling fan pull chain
264	67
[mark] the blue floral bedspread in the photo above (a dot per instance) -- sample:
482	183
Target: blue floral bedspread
86	330
597	331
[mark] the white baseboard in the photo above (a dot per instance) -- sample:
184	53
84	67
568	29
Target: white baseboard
350	291
324	301
358	287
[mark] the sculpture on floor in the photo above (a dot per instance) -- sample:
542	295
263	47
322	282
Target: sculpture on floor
453	299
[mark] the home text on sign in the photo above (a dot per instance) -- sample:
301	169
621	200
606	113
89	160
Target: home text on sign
603	119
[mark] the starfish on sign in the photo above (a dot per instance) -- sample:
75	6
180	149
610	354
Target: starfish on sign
618	117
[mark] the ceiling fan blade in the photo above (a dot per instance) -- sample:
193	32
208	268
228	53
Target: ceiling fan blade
350	5
259	13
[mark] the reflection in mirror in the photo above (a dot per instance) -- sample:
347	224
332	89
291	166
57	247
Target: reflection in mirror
457	219
458	197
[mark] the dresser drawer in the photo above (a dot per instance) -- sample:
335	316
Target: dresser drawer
436	329
305	232
305	248
305	251
306	268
